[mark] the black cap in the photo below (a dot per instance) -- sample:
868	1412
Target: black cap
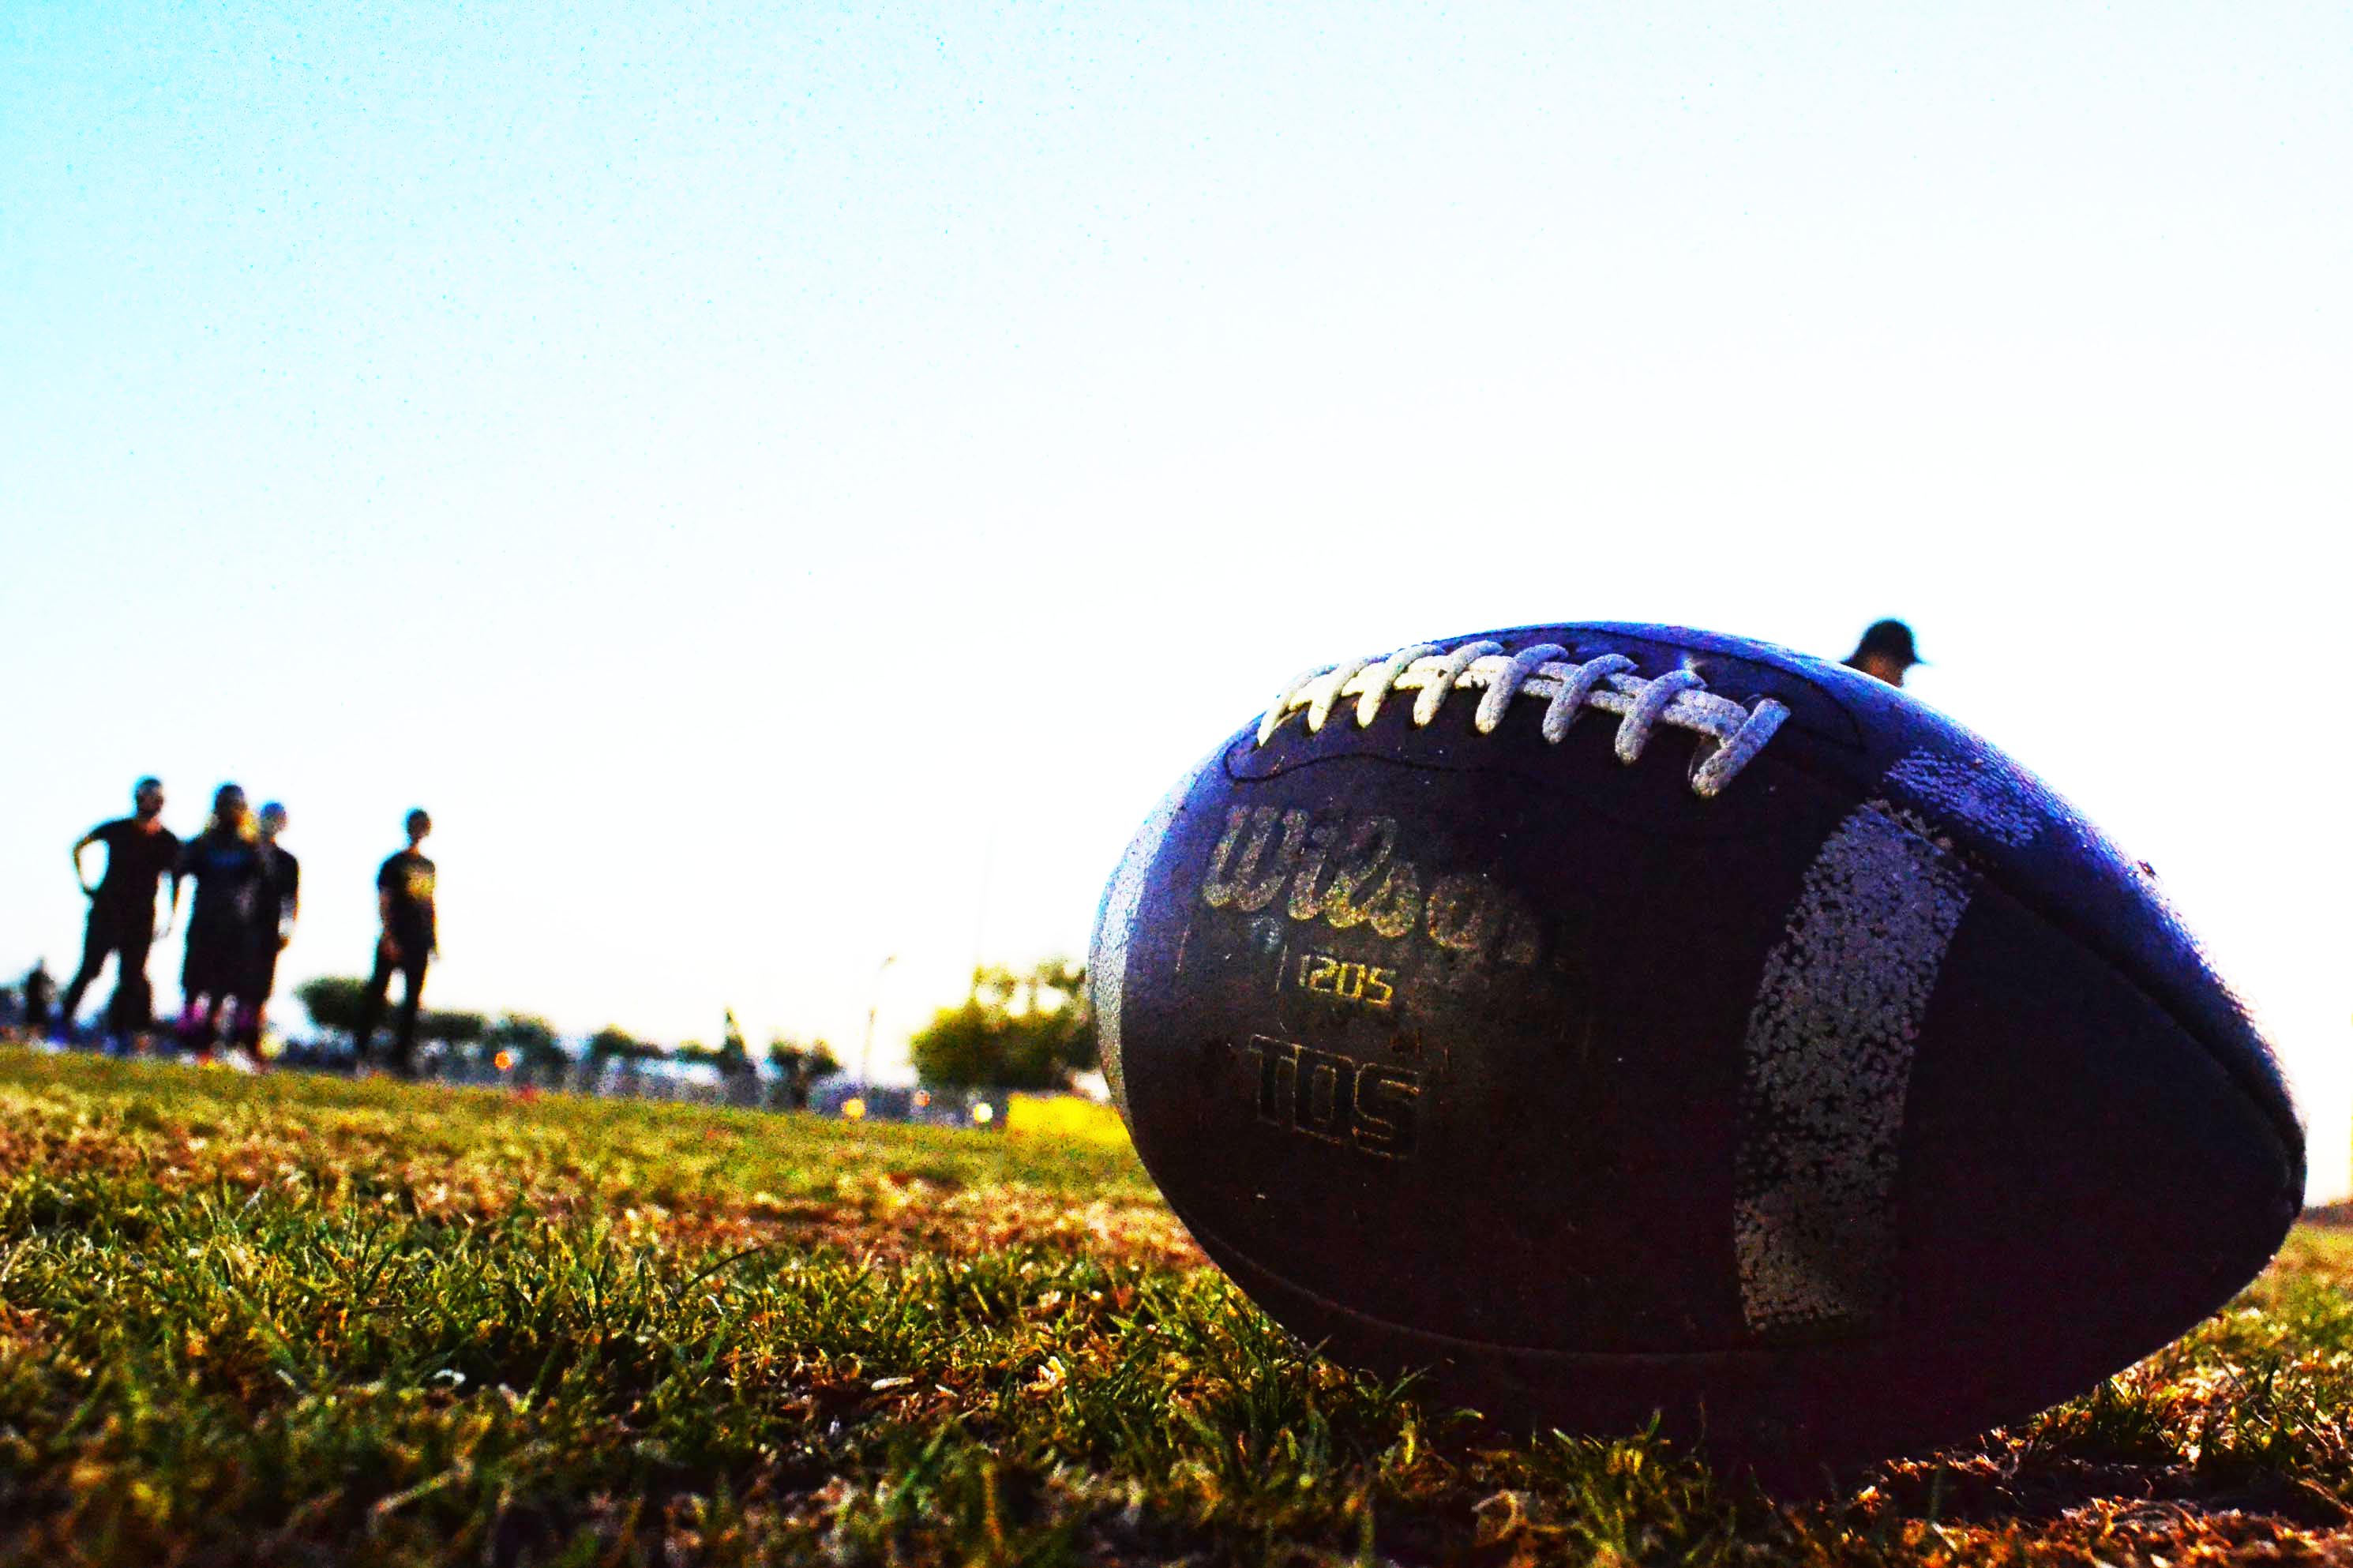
1892	639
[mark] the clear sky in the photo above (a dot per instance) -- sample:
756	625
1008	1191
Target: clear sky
786	489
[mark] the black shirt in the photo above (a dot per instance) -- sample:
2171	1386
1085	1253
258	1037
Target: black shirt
227	869
135	856
282	880
406	881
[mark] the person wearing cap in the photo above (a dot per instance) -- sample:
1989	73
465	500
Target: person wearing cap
215	967
1885	652
404	897
277	900
139	850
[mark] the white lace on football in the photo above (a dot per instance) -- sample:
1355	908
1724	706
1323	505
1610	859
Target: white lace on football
1680	699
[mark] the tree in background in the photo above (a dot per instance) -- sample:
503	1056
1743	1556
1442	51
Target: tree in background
729	1059
800	1065
734	1059
613	1044
453	1031
1015	1031
334	1002
529	1044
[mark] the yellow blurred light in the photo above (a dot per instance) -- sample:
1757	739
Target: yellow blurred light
984	1113
853	1109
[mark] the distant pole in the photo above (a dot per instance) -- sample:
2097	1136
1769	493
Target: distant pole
874	1005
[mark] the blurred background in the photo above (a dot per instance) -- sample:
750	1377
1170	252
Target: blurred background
789	492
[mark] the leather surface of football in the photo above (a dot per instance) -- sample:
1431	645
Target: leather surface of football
1621	1020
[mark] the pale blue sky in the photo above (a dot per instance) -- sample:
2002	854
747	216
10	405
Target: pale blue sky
747	472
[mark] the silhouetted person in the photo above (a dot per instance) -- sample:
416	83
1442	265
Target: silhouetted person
277	902
40	995
404	897
139	850
1885	652
226	862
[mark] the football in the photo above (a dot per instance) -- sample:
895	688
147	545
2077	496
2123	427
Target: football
1622	1024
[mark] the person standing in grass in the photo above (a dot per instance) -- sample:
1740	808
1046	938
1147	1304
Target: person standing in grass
404	897
139	850
278	901
1885	652
217	968
40	995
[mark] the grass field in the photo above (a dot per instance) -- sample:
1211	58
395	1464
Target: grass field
294	1319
